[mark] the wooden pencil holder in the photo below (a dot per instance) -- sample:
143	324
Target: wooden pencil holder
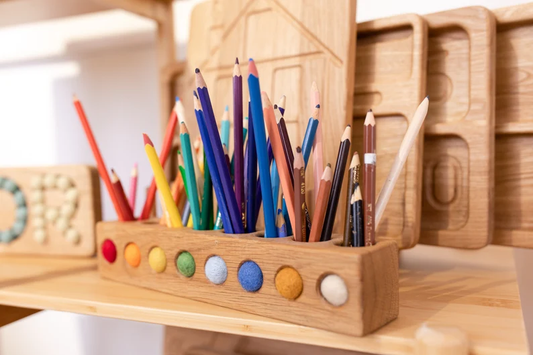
293	289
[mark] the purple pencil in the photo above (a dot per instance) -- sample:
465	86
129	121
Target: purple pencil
238	137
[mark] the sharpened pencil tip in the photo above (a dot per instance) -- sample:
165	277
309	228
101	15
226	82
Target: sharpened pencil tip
369	110
427	97
196	70
147	140
328	165
227	108
275	106
317	106
250	60
177	98
195	94
298	149
252	69
236	60
74	97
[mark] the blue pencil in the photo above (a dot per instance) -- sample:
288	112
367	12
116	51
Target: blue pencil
286	217
250	176
224	127
215	177
309	136
261	147
218	155
274	180
280	225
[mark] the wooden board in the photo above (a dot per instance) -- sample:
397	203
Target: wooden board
390	79
513	222
293	44
370	274
41	195
457	201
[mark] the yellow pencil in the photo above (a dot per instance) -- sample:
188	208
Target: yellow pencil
189	222
162	184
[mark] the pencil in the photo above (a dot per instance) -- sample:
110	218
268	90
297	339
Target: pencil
186	213
100	165
238	134
321	205
299	197
226	157
274	178
318	160
161	182
260	144
286	216
369	178
192	192
281	104
206	197
309	136
258	195
121	195
224	127
280	225
357	214
352	180
336	185
133	187
213	170
218	155
288	154
244	129
399	161
250	178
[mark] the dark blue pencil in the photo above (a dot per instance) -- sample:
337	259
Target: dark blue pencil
250	175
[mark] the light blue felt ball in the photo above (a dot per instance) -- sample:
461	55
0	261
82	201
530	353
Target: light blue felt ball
216	270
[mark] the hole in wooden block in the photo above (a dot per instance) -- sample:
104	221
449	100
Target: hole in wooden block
109	251
289	282
216	270
250	276
157	259
132	254
333	289
185	264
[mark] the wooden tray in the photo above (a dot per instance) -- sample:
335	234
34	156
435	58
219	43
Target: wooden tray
40	191
513	222
390	78
457	204
370	274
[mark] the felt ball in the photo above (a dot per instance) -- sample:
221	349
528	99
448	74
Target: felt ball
21	213
216	270
39	235
72	195
334	290
63	182
37	196
132	254
49	181
186	264
51	214
37	222
20	200
62	224
36	182
250	276
38	209
18	227
68	209
72	236
10	186
6	236
157	259
109	251
289	283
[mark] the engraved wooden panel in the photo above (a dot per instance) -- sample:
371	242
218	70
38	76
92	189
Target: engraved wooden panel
513	222
457	203
390	78
70	233
293	44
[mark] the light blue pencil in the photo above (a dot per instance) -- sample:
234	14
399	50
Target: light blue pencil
309	136
274	180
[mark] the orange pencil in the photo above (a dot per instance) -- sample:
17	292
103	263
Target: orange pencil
121	196
321	205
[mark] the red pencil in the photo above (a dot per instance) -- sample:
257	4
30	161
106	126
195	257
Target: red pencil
121	196
102	170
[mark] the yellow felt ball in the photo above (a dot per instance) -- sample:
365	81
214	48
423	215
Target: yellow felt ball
132	254
289	283
157	259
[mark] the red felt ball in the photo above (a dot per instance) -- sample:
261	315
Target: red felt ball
109	251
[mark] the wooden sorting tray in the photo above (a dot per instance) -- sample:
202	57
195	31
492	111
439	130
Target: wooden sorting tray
49	228
457	202
390	78
513	222
370	274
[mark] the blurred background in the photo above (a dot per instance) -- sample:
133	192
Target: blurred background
109	60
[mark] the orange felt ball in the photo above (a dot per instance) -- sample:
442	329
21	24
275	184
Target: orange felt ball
132	254
289	283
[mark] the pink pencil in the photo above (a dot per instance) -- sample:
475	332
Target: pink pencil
318	159
133	187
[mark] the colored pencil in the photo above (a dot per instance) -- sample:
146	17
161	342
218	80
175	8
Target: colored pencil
318	159
133	187
192	192
186	213
357	212
224	127
369	178
226	156
163	155
336	185
218	155
256	99
244	129
161	182
350	186
288	154
280	225
407	143
309	136
199	148
258	195
250	177
178	187
206	198
299	197
213	170
274	178
238	140
281	104
122	199
286	216
100	165
321	205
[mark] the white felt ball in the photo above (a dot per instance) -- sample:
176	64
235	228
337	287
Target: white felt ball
38	222
36	182
38	209
72	236
49	181
37	196
62	224
216	270
334	290
67	210
72	195
51	214
63	182
39	235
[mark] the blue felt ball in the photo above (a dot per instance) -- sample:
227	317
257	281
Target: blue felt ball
250	276
216	270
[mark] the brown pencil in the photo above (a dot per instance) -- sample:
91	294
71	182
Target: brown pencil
299	229
121	197
284	135
369	178
348	226
321	205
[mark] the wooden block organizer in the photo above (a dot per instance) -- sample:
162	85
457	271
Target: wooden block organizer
370	274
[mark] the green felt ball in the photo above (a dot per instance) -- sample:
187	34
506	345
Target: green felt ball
18	227
21	213
10	186
6	236
186	264
20	200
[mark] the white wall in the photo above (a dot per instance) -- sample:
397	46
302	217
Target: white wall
108	59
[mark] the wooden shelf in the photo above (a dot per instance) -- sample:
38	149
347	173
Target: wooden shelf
475	296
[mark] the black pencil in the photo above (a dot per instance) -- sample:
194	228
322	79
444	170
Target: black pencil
348	226
357	215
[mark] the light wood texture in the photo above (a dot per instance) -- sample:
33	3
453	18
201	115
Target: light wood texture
390	79
460	288
309	41
10	314
84	179
370	274
514	129
457	203
440	340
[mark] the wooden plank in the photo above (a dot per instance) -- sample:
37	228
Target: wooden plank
514	129
458	189
390	79
10	314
